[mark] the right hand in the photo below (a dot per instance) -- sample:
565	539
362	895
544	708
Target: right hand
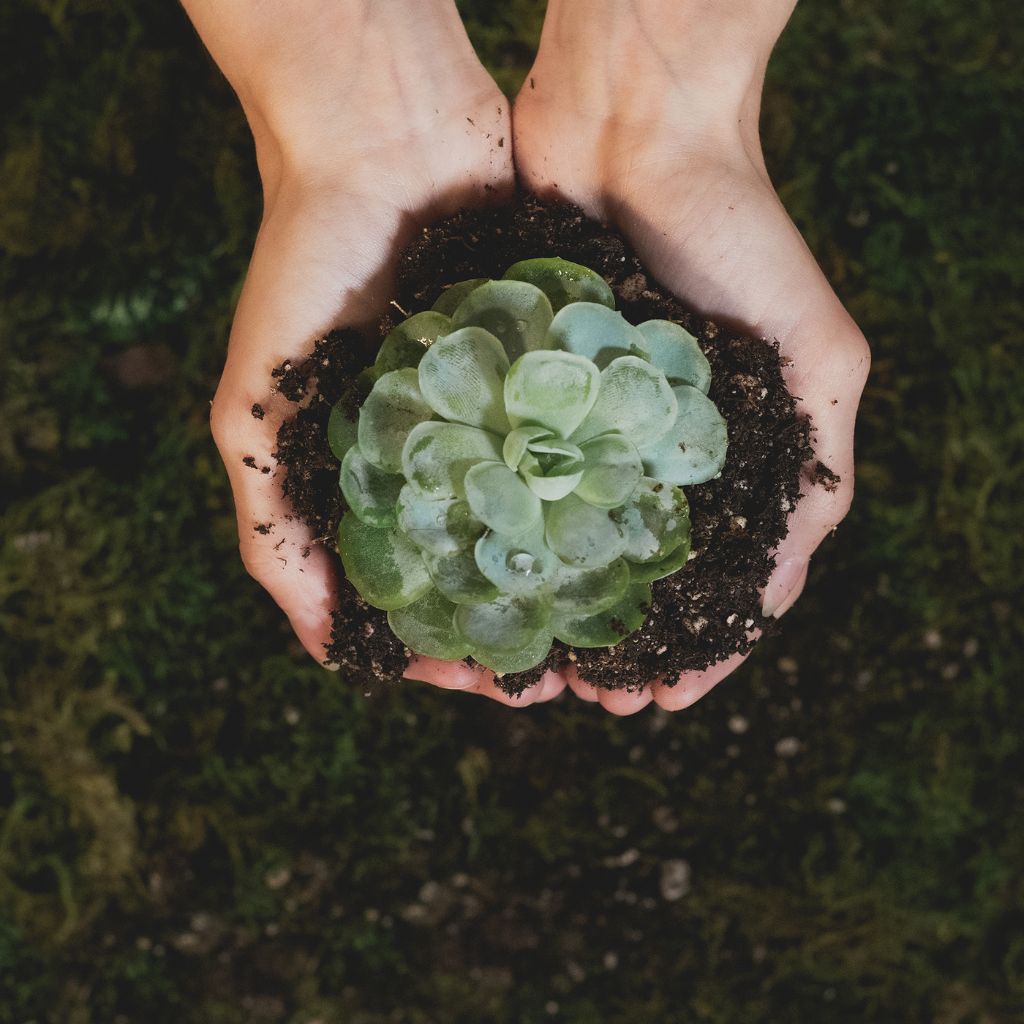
646	115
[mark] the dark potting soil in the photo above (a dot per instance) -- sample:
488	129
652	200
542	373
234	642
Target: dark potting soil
701	614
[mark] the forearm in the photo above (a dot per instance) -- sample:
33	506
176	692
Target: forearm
300	67
681	34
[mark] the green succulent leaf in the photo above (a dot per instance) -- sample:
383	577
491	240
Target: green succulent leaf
342	432
459	578
584	592
407	343
582	535
531	653
520	566
516	313
505	632
612	469
514	473
635	400
648	572
563	282
462	376
370	492
500	499
426	626
656	521
383	565
554	486
694	449
595	332
437	456
552	468
451	298
392	409
518	441
676	353
555	390
442	526
608	627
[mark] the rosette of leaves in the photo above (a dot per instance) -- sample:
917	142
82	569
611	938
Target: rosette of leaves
516	471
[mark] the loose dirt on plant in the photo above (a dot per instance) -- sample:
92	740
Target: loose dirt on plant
701	614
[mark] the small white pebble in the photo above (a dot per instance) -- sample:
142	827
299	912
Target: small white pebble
278	878
623	860
665	818
675	879
738	725
788	746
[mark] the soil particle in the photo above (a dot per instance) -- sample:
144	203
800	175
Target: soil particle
699	615
257	411
824	477
250	461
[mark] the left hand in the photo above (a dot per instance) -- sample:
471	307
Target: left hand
369	120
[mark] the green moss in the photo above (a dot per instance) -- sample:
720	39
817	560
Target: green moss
198	825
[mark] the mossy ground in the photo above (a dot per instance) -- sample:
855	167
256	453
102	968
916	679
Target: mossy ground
201	826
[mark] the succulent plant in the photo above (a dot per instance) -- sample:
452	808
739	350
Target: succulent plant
516	471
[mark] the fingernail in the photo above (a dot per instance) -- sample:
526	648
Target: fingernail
332	666
784	581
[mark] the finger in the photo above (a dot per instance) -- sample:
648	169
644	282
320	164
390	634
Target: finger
790	592
821	508
625	702
448	675
487	686
457	675
277	549
694	685
553	686
580	687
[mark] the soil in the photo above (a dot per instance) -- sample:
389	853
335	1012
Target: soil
701	614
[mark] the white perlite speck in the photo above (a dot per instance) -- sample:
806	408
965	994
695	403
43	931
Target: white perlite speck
675	879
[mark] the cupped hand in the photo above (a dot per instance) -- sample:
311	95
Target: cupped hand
369	120
646	115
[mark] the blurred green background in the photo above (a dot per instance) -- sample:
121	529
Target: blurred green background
199	825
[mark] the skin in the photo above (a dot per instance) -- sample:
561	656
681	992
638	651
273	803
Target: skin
645	113
355	154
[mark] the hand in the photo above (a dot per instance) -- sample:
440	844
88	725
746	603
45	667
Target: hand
369	120
645	114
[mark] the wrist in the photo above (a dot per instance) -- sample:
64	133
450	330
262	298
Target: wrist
324	79
694	38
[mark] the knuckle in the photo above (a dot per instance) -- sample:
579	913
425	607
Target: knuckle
855	356
844	499
228	423
253	560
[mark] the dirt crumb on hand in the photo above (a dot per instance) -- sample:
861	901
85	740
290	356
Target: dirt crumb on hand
822	476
